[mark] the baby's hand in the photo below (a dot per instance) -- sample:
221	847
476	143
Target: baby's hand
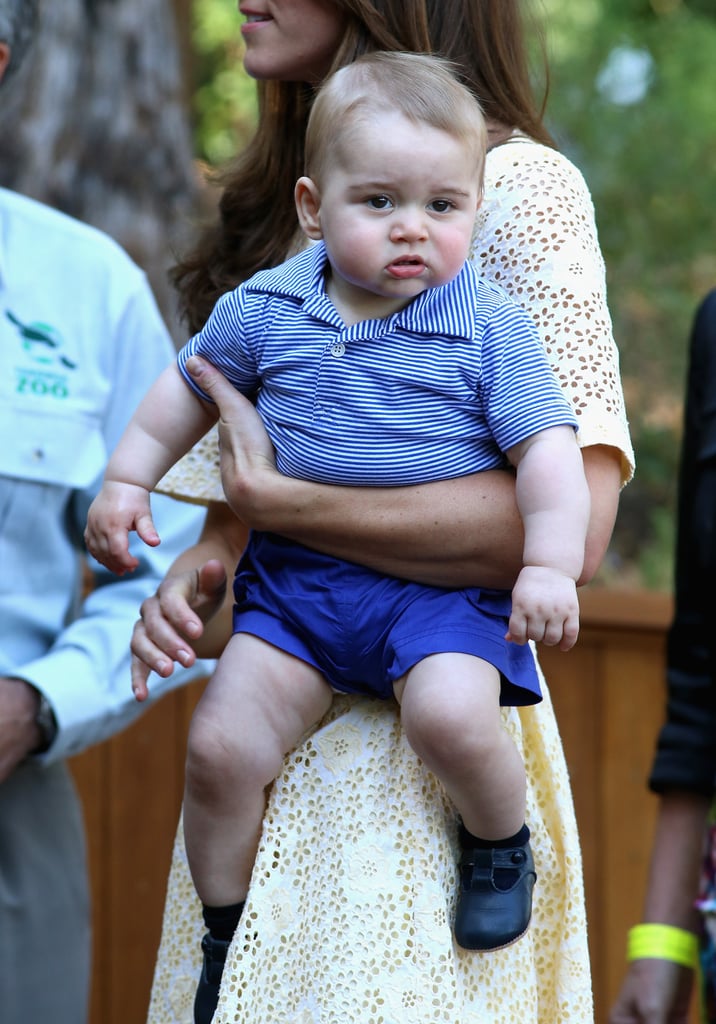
544	608
116	511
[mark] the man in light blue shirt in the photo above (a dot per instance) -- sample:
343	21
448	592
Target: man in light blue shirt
81	339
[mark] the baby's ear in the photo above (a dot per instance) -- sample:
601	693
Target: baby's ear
308	207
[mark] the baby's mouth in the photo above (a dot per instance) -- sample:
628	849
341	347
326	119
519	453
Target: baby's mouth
406	266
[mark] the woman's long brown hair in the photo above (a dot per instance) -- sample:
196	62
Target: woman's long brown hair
257	223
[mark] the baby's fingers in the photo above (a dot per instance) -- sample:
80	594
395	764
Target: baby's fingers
146	530
570	632
555	631
517	629
112	550
560	630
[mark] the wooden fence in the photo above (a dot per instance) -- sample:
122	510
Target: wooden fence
609	697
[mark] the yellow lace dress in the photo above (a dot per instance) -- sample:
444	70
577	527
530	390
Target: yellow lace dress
348	919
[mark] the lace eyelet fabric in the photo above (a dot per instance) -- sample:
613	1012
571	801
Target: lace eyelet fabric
353	894
348	919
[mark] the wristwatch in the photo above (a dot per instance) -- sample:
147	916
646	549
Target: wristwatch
46	723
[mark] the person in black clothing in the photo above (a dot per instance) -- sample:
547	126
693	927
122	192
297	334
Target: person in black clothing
658	985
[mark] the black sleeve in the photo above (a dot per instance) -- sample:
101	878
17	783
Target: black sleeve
686	748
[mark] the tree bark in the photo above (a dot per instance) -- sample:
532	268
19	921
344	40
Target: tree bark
96	124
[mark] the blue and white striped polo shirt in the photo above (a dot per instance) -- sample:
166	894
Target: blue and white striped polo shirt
439	389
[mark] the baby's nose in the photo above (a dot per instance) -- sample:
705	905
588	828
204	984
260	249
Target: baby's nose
409	226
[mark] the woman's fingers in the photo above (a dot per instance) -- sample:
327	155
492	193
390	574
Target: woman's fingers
241	429
171	619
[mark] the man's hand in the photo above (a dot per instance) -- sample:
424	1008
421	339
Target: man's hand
19	732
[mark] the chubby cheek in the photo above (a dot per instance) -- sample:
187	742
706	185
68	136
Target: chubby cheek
452	248
358	255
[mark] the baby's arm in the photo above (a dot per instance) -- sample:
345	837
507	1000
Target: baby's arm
168	422
553	500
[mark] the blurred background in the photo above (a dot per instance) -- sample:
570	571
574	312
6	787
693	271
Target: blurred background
129	104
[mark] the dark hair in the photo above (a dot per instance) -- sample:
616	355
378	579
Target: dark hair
257	225
18	20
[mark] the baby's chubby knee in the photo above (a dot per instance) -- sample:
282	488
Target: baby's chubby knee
446	733
223	755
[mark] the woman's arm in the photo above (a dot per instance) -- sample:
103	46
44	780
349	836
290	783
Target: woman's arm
676	860
657	990
683	768
459	532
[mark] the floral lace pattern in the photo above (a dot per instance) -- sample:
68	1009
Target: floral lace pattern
535	235
352	897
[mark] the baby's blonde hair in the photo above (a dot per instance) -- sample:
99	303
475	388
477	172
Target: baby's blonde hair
423	88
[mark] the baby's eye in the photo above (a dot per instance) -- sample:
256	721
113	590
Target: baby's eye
441	205
379	202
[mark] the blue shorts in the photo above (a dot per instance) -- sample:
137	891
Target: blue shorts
363	630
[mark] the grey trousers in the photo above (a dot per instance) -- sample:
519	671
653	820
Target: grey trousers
45	937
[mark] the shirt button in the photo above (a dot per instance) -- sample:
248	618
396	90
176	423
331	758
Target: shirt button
38	454
338	350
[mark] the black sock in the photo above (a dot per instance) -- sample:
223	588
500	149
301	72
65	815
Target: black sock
504	877
468	841
222	921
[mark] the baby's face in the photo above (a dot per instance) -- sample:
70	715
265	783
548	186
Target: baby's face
397	209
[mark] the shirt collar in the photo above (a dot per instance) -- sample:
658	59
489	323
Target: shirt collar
298	278
448	311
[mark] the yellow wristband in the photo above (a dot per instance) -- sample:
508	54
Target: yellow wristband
663	942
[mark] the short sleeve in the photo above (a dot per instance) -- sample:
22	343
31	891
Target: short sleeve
535	235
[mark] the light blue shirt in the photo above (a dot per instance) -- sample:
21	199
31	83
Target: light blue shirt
81	340
442	388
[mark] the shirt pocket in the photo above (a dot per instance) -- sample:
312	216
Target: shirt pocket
55	447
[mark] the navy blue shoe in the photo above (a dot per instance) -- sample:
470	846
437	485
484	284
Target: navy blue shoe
207	993
495	900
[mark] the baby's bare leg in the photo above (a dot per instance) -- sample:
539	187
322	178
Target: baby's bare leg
451	716
255	709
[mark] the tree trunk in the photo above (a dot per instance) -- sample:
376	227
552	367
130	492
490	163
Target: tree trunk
96	124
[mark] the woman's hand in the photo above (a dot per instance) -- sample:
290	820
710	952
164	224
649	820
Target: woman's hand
172	620
189	617
248	460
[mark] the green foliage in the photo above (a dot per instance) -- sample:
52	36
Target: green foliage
225	97
651	166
